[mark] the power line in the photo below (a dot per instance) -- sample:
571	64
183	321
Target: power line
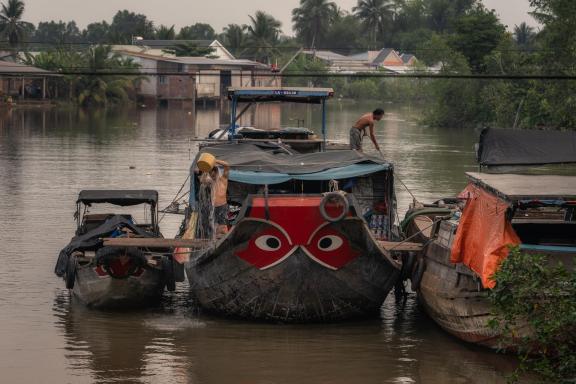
309	75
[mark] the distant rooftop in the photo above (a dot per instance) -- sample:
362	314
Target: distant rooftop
12	68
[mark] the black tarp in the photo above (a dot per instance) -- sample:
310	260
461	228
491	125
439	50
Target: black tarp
93	239
526	147
272	158
119	197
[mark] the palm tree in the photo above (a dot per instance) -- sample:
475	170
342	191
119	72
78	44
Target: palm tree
234	37
375	14
263	36
190	49
523	34
101	90
165	33
11	25
313	19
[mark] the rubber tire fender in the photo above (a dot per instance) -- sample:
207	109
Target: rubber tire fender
408	265
417	274
105	255
70	277
330	196
168	271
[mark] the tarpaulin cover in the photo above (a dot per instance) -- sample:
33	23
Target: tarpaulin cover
526	147
484	234
269	164
119	197
93	239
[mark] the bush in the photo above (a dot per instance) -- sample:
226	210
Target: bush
532	290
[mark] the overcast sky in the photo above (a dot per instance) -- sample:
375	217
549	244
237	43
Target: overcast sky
218	13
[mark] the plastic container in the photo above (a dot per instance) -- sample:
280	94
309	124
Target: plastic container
206	162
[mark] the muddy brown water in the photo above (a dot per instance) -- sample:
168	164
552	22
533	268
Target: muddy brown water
47	156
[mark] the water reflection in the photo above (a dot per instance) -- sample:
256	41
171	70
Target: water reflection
170	343
48	155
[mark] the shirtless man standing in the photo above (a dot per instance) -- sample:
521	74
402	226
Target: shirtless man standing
358	130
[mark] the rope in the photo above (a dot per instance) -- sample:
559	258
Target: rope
418	233
176	198
404	185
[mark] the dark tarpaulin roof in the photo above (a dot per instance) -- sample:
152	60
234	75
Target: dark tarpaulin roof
119	197
288	94
272	159
526	147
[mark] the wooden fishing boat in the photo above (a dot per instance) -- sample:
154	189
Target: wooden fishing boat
104	276
467	237
307	242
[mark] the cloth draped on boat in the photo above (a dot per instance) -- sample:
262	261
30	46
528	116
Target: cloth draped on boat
484	234
525	147
93	239
272	164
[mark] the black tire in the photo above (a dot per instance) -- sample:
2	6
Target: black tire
168	271
334	196
408	265
70	277
417	274
105	255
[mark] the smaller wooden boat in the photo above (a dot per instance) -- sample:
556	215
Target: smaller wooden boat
467	237
103	276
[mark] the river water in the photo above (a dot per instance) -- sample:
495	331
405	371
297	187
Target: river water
47	156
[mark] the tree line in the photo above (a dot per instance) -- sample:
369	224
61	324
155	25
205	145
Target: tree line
458	36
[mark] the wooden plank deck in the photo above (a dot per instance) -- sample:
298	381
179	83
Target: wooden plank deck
136	242
400	246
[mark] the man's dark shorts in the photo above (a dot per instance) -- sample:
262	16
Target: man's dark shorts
356	139
220	214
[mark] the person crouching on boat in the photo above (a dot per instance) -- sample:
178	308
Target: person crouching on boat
219	176
358	130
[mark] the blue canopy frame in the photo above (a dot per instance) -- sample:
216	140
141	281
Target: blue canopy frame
282	94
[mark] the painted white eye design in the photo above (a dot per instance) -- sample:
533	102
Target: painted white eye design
329	243
268	243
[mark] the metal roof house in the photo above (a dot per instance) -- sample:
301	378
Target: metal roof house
179	80
24	82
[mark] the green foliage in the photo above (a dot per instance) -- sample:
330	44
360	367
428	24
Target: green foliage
263	37
362	89
375	15
57	33
534	292
198	31
126	25
312	20
190	49
476	35
234	38
164	32
97	89
11	25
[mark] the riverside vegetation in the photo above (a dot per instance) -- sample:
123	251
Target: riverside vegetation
462	36
531	290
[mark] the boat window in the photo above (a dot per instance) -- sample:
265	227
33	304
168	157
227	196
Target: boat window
554	226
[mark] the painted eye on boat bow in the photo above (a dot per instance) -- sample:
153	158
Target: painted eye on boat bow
330	243
268	243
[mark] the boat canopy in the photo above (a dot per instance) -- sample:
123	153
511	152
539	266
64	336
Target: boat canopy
272	164
121	198
525	147
526	187
289	94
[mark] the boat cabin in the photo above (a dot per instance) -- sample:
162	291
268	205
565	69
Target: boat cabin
299	139
119	199
542	208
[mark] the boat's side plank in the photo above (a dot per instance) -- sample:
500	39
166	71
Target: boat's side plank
134	242
400	246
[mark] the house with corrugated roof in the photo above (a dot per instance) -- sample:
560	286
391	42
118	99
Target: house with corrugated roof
20	82
183	80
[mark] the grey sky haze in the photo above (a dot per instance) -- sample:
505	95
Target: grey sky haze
218	13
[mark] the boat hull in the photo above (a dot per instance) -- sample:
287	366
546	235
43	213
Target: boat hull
298	289
100	290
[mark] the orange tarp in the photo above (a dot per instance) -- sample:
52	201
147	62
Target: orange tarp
483	234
